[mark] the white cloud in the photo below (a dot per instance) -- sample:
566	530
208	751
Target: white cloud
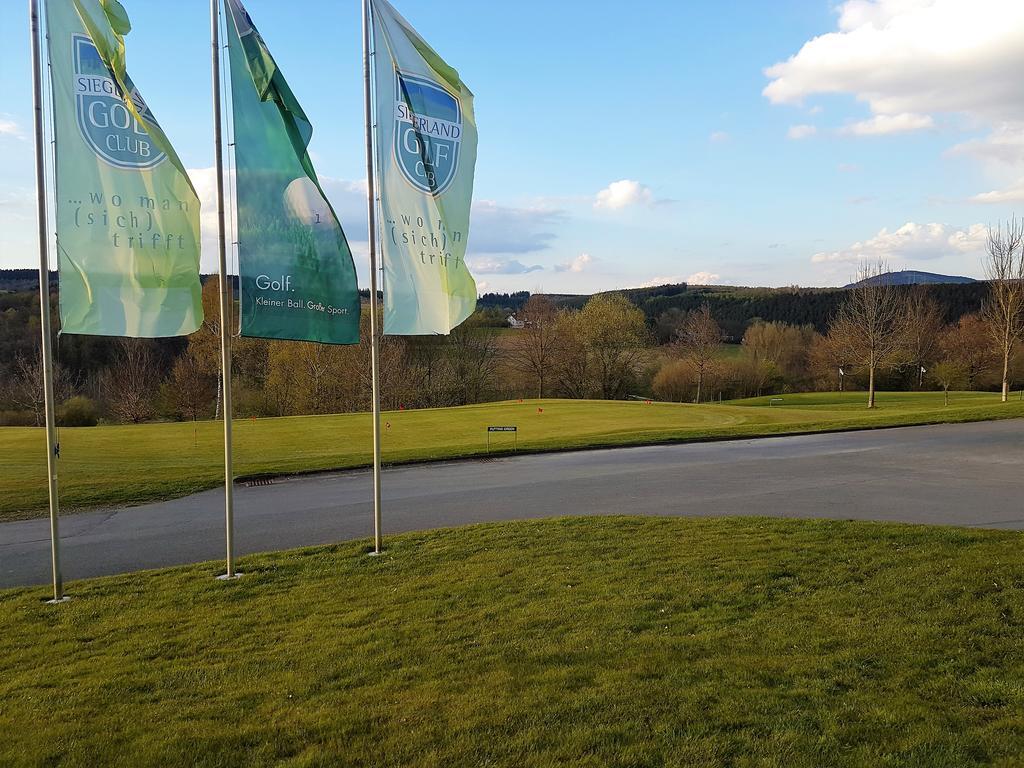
10	128
1002	148
18	198
916	56
697	278
848	167
718	137
505	229
623	194
912	242
579	264
205	182
654	282
797	132
494	228
912	60
1011	194
1001	153
702	278
883	125
497	265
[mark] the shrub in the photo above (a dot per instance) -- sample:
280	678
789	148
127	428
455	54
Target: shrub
674	382
17	419
78	412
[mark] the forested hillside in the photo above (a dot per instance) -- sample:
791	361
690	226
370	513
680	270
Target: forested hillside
630	343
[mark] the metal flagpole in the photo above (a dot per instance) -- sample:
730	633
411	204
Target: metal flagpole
371	204
52	448
225	301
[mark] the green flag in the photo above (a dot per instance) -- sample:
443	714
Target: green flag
127	215
297	276
426	153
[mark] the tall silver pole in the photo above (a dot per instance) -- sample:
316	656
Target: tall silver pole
226	298
371	204
44	303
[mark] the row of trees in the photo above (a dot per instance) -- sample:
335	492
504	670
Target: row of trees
880	336
596	352
880	330
776	358
878	327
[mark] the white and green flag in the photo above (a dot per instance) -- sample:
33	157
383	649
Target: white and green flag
127	215
426	154
297	276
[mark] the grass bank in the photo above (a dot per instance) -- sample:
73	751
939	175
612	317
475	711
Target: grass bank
130	464
597	642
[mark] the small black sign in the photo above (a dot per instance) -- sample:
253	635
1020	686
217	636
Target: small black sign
503	429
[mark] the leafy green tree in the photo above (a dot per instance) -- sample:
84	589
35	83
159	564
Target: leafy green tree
614	334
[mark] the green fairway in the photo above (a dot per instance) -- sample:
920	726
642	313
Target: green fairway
129	464
597	642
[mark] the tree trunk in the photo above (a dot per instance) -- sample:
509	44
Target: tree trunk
946	393
216	409
871	388
1006	376
700	385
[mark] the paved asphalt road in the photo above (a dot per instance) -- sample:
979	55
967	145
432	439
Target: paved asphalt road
964	474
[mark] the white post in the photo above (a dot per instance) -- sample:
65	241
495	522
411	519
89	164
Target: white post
371	204
44	304
226	298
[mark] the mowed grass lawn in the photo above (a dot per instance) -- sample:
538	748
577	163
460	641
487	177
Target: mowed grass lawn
584	642
129	464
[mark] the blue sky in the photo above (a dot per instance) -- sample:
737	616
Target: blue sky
749	143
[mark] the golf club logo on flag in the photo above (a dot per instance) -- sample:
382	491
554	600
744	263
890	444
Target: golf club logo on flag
243	22
107	125
428	133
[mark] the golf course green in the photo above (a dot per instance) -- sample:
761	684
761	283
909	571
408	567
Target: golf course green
577	642
113	465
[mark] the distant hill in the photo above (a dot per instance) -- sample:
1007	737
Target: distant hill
734	307
913	277
15	280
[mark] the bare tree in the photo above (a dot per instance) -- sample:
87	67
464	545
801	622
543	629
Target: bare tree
24	389
131	382
533	349
870	327
968	344
824	360
698	340
924	328
1003	311
190	387
472	359
396	384
573	366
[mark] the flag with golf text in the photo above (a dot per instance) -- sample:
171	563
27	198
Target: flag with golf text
297	276
126	213
426	154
